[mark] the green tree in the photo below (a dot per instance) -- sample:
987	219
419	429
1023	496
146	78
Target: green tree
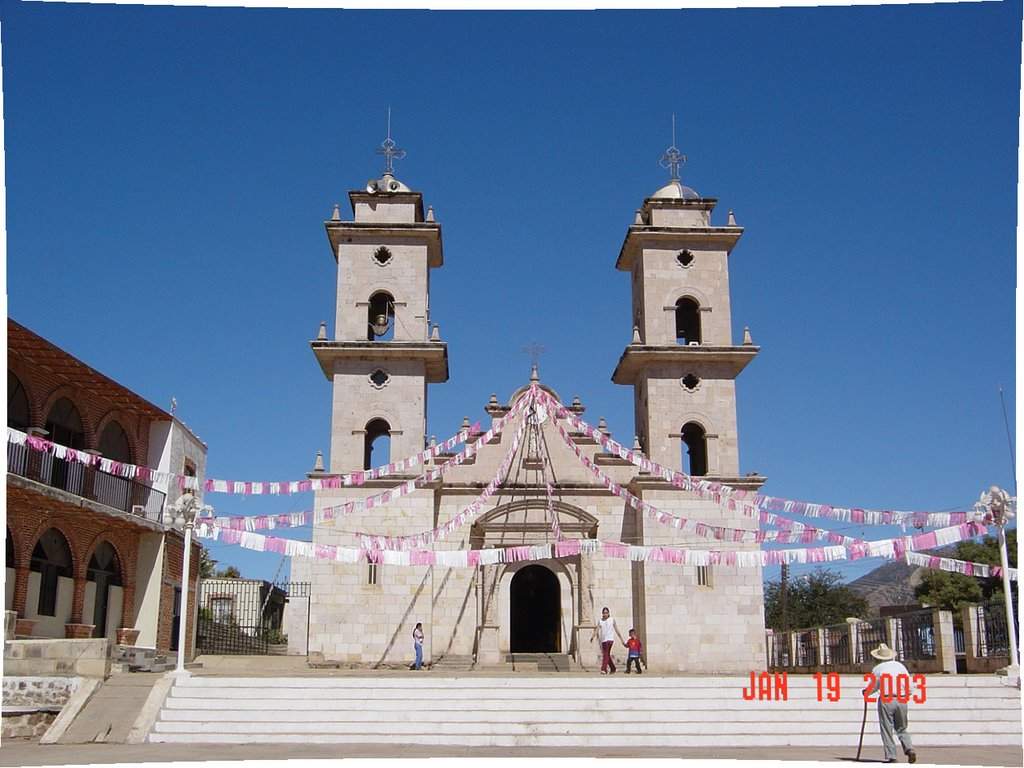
814	600
950	591
206	564
231	572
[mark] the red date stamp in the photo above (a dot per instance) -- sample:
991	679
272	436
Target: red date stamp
887	688
774	686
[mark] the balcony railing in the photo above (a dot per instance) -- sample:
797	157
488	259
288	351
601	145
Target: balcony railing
88	482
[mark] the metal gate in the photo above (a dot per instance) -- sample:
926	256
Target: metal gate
243	616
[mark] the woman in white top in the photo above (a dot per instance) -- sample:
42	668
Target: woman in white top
417	641
608	629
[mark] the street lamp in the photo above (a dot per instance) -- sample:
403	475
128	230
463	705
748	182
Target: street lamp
182	516
996	507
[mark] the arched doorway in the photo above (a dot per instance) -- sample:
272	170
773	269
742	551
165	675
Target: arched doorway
64	427
535	611
51	559
105	572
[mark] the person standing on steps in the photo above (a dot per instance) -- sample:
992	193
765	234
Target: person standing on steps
635	650
417	642
608	630
892	714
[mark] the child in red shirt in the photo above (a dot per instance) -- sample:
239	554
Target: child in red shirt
635	649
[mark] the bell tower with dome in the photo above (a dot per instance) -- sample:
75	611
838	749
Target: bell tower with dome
682	362
383	353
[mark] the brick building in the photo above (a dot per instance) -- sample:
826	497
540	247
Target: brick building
89	553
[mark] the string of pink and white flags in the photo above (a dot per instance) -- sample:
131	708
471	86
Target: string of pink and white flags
405	551
408	550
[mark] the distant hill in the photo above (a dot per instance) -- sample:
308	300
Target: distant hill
893	583
889	584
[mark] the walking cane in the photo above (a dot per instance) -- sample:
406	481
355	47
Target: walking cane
863	722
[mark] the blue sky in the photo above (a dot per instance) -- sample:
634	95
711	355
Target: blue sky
168	171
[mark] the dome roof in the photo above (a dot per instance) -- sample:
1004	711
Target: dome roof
386	183
676	190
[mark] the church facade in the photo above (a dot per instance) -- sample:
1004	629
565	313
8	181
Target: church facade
682	365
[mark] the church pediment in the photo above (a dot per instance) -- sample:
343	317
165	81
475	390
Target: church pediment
531	516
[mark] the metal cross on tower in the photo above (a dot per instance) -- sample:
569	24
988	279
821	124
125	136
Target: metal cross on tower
534	350
672	158
390	150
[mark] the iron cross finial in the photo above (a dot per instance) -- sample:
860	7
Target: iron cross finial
390	150
534	350
672	158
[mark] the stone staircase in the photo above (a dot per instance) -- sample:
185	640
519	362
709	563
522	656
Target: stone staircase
453	663
539	662
570	710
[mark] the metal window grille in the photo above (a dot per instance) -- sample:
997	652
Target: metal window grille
703	575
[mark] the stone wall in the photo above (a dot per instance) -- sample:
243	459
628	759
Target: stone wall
31	704
82	658
35	691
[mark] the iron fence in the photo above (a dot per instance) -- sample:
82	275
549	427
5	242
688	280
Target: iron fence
807	648
870	634
88	482
243	616
837	645
993	639
915	636
779	651
959	646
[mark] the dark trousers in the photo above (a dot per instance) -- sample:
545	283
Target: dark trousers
630	660
606	656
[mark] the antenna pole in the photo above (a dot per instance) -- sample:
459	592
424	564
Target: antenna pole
1009	442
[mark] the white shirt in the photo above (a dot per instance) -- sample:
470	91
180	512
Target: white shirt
890	668
607	629
893	669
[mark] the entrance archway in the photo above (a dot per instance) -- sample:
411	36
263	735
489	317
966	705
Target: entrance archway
105	571
535	611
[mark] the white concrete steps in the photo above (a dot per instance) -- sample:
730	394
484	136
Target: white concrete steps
567	710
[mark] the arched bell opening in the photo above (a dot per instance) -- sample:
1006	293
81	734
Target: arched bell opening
695	449
381	317
687	321
377	444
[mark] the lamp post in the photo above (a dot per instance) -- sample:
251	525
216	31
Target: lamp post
182	516
997	507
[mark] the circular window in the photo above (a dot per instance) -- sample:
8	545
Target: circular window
382	255
379	379
690	382
684	258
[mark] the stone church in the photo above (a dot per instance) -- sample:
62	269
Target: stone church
682	364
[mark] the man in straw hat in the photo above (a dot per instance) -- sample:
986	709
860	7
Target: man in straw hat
892	714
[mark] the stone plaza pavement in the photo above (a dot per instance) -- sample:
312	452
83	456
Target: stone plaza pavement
18	753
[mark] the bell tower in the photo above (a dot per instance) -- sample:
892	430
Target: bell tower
384	352
682	362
